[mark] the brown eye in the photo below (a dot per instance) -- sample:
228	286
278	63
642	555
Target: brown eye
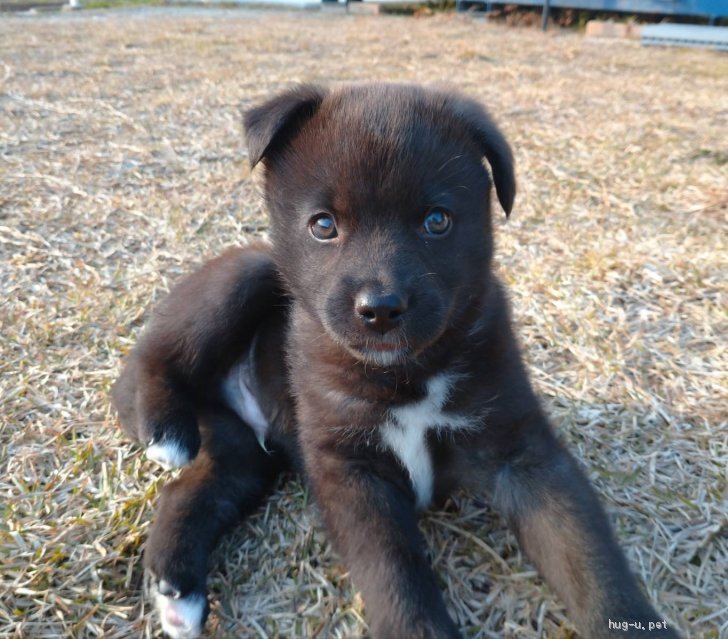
437	222
323	227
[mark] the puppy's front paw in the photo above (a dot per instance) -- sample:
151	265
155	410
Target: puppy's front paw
182	617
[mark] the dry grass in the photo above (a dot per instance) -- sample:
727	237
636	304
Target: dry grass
122	165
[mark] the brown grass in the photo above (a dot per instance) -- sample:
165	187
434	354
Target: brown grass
122	165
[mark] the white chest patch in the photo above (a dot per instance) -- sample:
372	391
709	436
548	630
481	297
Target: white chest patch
405	435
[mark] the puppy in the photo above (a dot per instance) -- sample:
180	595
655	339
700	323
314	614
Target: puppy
370	349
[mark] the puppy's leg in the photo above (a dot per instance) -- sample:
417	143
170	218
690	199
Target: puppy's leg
198	331
563	529
373	526
225	483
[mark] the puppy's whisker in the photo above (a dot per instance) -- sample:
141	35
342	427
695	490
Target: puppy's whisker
456	173
446	162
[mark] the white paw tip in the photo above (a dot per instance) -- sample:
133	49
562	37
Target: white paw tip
181	618
168	454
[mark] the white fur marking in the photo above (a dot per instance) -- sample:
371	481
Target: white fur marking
408	444
181	618
383	358
168	454
405	434
238	396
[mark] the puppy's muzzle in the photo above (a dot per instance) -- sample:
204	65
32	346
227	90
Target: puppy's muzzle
380	312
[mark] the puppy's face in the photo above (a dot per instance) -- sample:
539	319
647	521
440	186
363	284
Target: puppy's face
380	213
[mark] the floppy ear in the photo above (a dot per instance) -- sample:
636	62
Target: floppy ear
493	145
268	126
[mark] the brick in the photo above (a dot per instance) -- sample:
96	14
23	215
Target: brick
606	29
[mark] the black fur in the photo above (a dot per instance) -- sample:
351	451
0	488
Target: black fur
329	375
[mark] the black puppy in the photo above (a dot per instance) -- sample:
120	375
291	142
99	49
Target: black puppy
370	347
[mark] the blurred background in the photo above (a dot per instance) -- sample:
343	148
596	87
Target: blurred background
122	166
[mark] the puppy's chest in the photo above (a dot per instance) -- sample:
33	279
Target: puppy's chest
406	429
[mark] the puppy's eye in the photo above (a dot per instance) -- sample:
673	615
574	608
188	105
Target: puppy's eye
437	222
323	227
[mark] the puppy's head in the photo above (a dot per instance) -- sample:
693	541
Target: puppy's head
380	209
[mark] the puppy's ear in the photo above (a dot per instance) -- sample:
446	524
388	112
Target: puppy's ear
268	126
493	145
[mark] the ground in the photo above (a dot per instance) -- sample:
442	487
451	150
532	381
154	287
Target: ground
122	165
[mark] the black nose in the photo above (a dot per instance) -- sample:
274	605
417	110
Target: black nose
380	311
